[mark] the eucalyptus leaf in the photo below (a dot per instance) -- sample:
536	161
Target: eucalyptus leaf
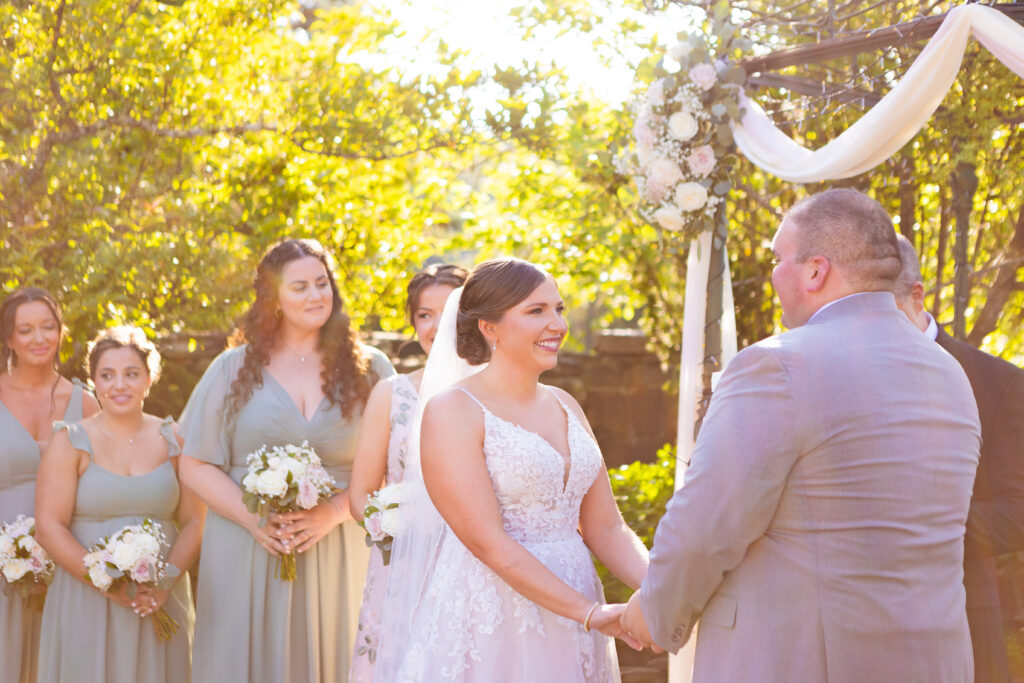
722	188
724	134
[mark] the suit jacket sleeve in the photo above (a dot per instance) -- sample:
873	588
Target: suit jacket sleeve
998	523
747	445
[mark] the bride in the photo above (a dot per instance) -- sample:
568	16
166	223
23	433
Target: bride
492	578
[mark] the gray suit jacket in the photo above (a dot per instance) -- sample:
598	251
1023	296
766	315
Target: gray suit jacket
819	534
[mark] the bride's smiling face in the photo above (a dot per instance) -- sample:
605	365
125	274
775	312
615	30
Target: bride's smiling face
531	332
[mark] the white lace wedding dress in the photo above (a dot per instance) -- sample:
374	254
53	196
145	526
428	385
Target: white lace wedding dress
474	627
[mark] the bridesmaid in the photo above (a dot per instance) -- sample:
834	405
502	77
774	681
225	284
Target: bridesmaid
97	476
380	454
32	396
301	375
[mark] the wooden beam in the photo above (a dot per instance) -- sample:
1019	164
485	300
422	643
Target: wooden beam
809	86
891	36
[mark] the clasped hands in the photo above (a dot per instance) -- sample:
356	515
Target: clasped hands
626	622
298	531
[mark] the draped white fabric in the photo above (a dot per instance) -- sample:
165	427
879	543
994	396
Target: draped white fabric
891	123
691	364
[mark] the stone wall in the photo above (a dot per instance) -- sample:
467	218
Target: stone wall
619	385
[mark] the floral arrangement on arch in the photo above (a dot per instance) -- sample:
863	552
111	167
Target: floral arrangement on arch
683	139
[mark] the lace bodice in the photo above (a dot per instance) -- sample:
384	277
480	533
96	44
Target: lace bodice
469	625
528	476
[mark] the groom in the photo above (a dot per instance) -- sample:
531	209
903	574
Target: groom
819	534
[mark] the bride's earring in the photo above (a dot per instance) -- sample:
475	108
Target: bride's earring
494	346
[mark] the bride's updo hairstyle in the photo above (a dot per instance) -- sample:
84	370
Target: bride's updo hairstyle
492	288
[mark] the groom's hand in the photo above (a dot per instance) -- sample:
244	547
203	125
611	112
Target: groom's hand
633	623
606	620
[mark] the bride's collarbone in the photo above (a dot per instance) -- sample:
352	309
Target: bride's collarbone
546	419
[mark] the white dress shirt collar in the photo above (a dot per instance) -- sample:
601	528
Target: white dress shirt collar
932	331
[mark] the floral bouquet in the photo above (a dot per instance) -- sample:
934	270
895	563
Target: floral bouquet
285	479
683	137
380	519
133	555
26	568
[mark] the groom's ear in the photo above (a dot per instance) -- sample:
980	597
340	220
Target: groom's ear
816	270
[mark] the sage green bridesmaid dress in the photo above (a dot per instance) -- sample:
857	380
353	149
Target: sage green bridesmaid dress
19	461
252	627
88	638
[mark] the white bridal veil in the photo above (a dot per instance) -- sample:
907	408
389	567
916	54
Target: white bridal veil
421	528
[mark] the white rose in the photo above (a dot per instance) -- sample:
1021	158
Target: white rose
125	556
296	467
148	546
669	218
249	482
390	495
691	196
679	51
389	521
704	75
15	569
682	126
270	483
6	546
664	172
99	577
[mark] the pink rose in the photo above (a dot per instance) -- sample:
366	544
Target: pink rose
655	191
374	527
143	572
643	134
702	160
656	92
36	564
308	496
704	75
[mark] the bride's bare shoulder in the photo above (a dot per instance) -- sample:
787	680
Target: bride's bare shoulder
455	400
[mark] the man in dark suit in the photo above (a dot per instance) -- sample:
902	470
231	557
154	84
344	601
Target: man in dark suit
995	524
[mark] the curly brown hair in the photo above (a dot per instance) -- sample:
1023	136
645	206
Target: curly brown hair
346	373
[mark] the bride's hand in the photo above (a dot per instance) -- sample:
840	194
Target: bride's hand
606	620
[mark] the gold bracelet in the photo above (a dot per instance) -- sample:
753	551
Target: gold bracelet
586	622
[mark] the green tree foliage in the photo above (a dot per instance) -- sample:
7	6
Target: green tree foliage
149	153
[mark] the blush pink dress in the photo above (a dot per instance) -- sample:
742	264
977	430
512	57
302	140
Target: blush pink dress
364	657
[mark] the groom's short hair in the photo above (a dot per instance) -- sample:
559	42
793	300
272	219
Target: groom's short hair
853	232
